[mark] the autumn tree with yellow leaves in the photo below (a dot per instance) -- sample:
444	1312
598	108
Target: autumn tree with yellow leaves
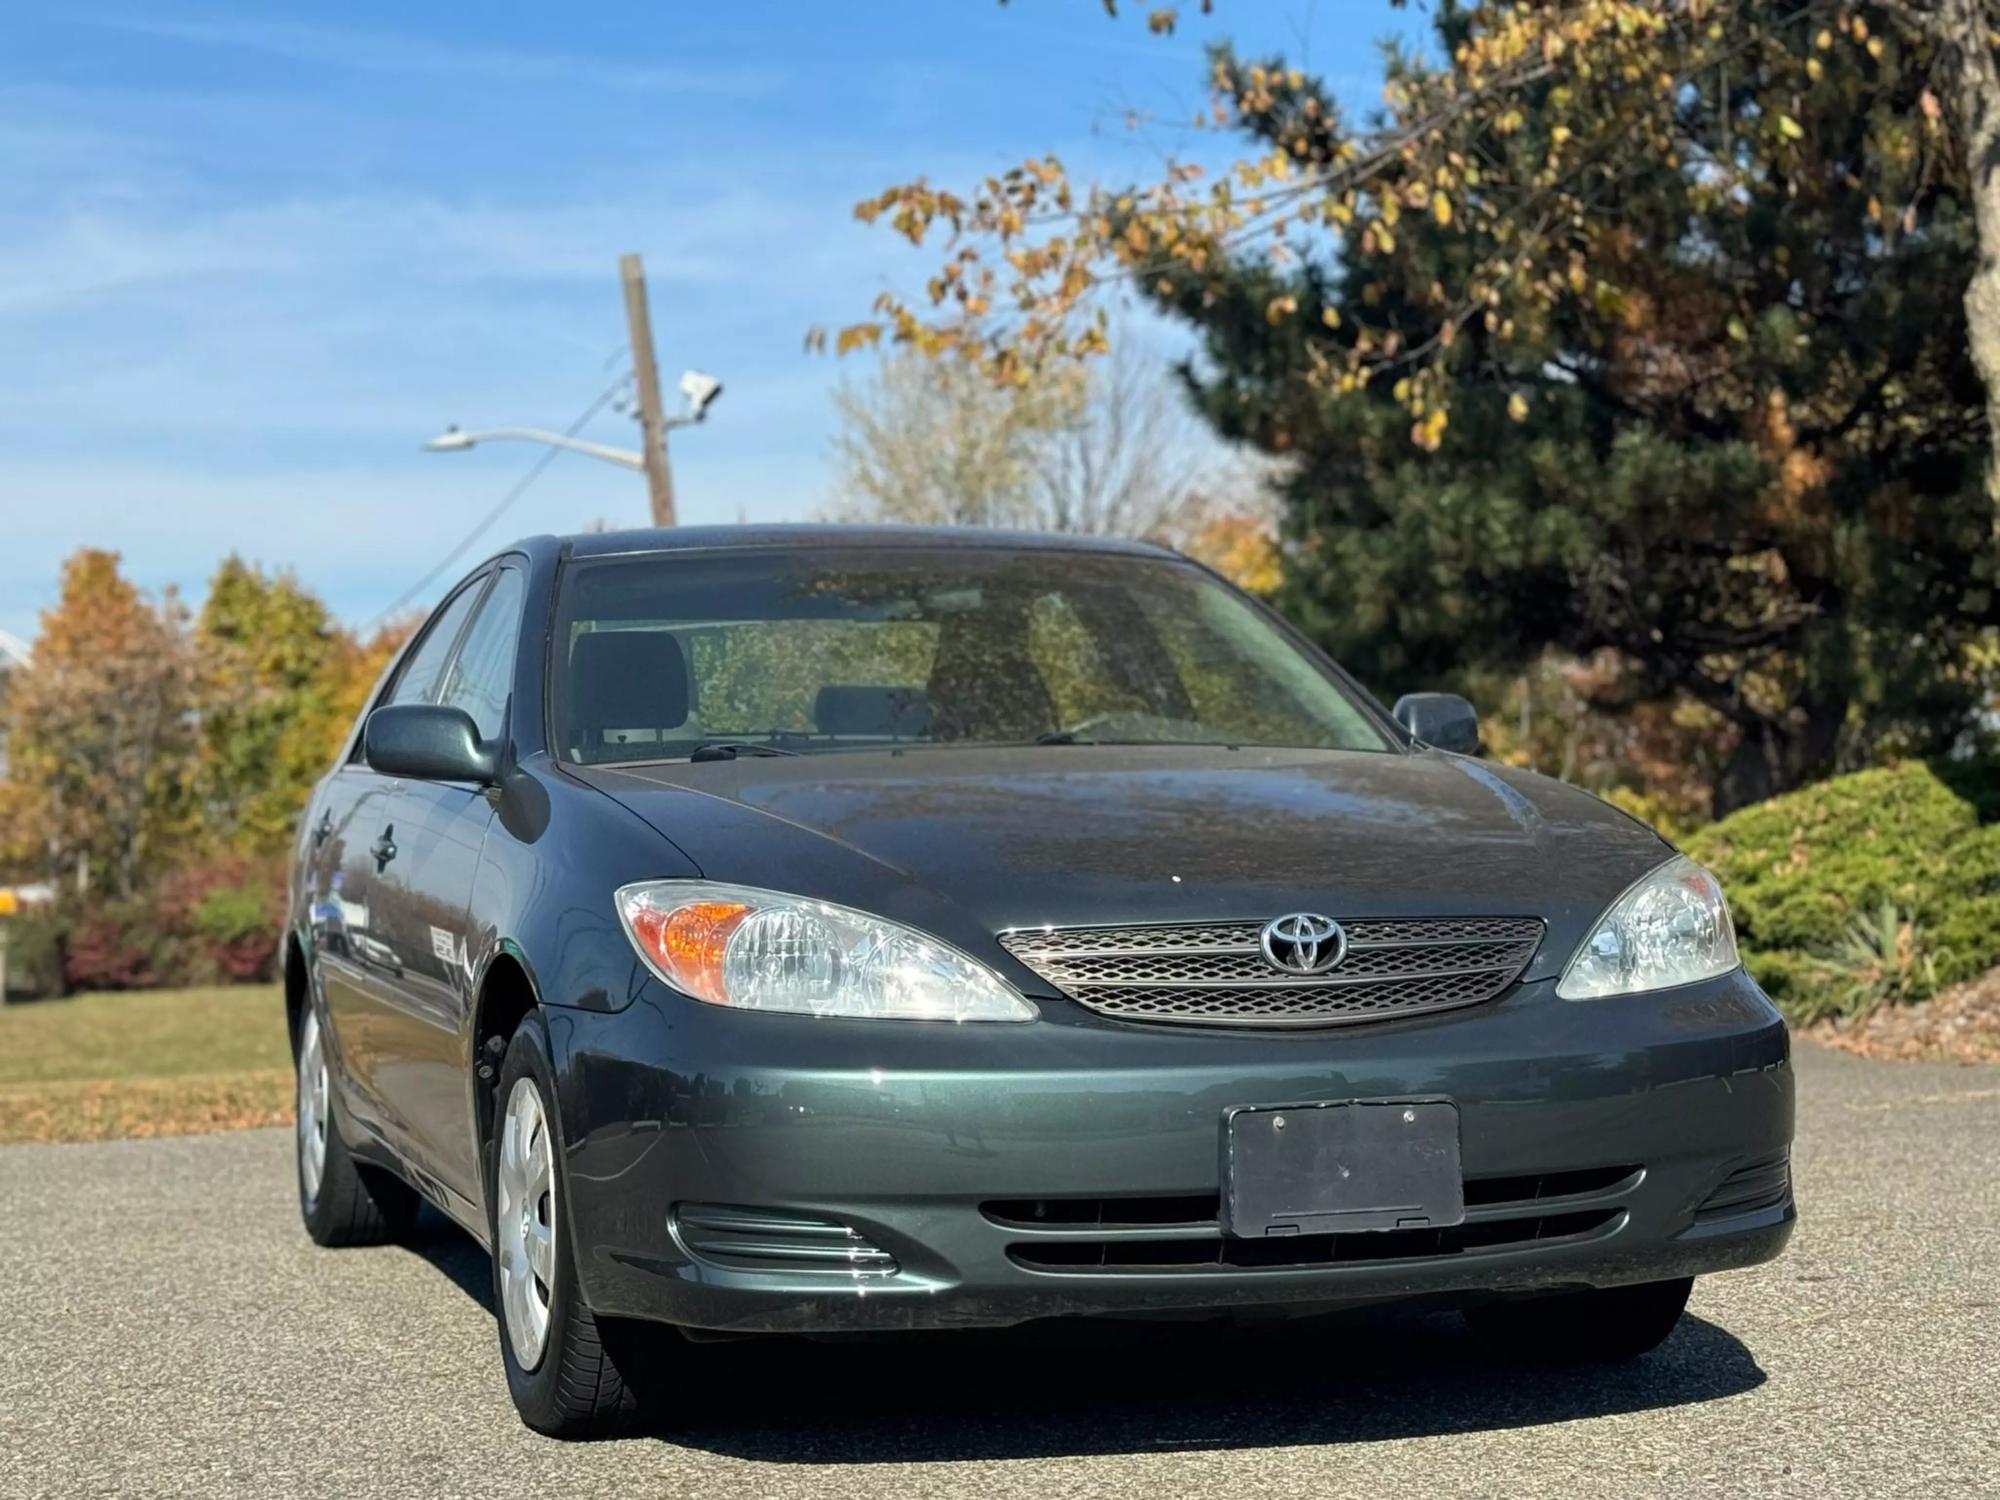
98	732
157	764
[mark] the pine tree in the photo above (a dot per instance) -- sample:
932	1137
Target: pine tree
1626	326
1741	444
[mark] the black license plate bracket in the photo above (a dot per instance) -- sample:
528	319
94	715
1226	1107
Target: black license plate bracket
1362	1165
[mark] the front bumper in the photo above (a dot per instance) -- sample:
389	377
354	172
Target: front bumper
734	1172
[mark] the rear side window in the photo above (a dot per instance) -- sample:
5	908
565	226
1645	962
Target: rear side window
419	677
483	675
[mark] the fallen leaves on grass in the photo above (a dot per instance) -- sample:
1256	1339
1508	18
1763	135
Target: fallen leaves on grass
117	1109
1959	1024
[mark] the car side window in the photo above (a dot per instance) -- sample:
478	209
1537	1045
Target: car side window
482	675
419	677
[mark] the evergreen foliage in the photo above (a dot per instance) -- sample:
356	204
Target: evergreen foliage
1741	445
1803	870
1622	327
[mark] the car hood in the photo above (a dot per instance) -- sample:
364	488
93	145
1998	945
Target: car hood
971	842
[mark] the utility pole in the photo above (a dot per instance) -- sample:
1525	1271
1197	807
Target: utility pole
646	370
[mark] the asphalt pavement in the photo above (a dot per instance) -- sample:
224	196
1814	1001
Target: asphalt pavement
166	1329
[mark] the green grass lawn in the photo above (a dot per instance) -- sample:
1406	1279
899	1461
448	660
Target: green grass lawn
148	1062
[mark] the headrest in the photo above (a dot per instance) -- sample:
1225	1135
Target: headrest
627	679
984	685
864	708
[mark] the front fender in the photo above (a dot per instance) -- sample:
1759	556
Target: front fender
555	852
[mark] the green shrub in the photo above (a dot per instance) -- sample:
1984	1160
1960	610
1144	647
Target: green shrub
1787	977
34	951
237	929
117	944
209	922
1883	958
228	912
1656	812
1802	870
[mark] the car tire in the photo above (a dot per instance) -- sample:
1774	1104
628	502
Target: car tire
342	1201
1601	1325
561	1370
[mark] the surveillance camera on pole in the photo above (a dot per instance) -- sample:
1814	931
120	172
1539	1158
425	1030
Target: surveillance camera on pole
701	391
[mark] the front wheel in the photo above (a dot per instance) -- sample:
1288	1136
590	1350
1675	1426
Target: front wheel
342	1201
1604	1324
563	1377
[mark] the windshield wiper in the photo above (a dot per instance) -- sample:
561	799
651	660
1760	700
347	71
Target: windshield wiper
730	749
1071	737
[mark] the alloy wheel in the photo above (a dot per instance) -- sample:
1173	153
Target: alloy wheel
312	1109
524	1222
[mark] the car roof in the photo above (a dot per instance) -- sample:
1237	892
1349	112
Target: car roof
805	537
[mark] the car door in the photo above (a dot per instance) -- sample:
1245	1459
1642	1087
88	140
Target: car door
440	830
346	958
361	958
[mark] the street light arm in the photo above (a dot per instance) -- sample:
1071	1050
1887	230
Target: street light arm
452	441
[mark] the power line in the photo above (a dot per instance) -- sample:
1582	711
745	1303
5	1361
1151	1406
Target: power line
519	488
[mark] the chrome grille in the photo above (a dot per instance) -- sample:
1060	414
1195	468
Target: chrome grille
1217	974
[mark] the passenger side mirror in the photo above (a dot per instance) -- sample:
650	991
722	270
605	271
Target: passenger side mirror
1443	720
428	742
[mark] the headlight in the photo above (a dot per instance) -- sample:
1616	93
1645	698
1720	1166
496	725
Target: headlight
1671	927
749	949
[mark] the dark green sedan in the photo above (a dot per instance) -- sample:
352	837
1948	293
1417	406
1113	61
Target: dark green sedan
760	931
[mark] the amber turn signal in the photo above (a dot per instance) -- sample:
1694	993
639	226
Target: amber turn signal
687	942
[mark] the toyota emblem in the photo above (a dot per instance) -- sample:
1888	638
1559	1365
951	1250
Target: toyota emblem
1304	942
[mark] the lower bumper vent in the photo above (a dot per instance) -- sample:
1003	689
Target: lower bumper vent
1205	1209
1082	1235
1763	1183
1130	1255
776	1241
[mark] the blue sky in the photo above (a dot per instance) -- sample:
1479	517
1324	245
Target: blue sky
250	256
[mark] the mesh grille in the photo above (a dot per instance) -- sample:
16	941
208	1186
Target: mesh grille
1218	975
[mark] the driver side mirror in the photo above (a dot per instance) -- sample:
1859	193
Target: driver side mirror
1444	721
428	742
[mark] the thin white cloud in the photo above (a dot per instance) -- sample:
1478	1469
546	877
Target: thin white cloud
95	248
370	51
247	265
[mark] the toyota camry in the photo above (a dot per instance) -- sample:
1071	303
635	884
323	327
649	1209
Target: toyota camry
762	931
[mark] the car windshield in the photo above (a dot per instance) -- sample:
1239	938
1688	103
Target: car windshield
723	653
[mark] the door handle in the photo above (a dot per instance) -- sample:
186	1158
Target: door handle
384	848
323	829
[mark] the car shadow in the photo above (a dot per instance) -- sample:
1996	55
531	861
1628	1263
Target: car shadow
454	1253
1054	1391
1077	1389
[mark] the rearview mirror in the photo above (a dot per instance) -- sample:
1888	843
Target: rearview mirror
428	742
1443	720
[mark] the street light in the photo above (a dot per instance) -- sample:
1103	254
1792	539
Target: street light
700	390
454	440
